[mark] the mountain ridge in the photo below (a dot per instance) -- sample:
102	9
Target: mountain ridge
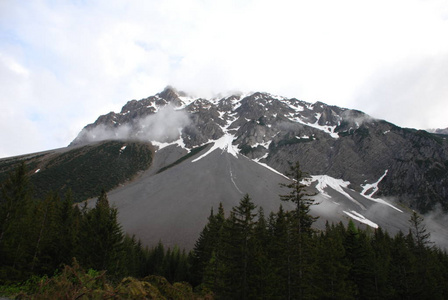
199	152
340	142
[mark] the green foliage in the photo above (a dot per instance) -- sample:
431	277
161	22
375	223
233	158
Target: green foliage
208	246
259	259
84	170
243	256
101	237
300	197
76	283
418	231
87	170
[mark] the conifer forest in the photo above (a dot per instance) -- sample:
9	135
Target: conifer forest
51	248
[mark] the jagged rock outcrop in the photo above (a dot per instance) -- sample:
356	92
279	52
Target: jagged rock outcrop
410	165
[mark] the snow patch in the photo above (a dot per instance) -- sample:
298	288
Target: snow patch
268	167
264	145
357	216
260	158
233	181
374	187
224	143
325	181
179	142
325	128
186	101
297	107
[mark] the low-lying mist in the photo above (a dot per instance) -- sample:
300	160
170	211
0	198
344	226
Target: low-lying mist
164	126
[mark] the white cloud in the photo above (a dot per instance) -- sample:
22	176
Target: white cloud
69	62
410	93
165	126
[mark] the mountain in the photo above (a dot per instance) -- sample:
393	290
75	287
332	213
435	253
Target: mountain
190	154
410	166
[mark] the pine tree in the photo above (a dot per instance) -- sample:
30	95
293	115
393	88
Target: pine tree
280	251
424	283
333	269
207	243
260	272
101	237
418	231
300	197
236	257
301	234
243	218
16	213
68	219
381	245
45	237
359	254
401	267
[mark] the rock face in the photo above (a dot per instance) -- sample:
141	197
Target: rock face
408	165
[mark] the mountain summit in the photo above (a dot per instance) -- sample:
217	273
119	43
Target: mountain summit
168	159
374	157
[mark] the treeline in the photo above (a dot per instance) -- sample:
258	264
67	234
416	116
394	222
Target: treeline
40	236
244	255
249	256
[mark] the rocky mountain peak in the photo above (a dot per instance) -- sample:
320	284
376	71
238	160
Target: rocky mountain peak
328	140
171	95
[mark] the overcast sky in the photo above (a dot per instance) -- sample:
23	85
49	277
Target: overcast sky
64	63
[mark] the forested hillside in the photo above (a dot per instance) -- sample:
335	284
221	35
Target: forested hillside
239	255
84	170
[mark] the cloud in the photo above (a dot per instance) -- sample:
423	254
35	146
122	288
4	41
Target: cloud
102	132
164	126
409	93
435	222
77	60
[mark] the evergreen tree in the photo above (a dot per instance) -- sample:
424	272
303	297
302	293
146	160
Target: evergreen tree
300	197
333	268
16	224
157	260
359	254
243	221
207	243
418	231
236	258
280	251
301	234
45	237
401	267
381	245
68	220
101	237
260	272
424	283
